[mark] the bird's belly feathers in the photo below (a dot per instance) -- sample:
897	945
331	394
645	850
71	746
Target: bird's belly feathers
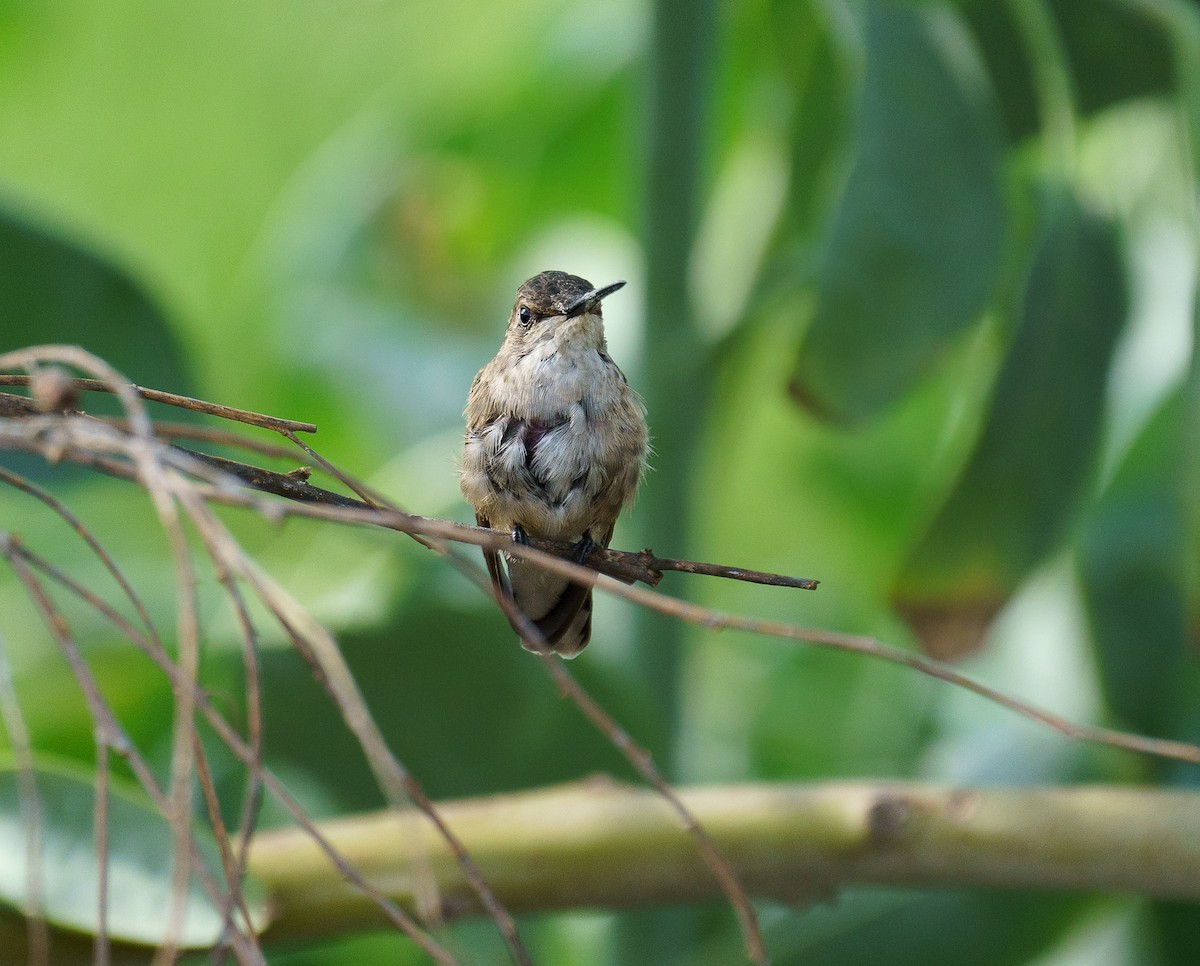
565	459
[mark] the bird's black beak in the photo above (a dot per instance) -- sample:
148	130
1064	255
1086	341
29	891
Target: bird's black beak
588	300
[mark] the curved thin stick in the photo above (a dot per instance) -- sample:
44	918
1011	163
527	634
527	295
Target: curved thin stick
170	399
240	748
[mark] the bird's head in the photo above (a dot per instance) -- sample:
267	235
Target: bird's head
552	305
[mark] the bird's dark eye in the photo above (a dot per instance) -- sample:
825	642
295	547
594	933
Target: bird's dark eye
525	315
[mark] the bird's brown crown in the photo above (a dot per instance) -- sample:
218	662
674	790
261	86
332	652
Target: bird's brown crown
552	293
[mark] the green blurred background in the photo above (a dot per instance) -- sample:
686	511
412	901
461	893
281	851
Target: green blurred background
911	304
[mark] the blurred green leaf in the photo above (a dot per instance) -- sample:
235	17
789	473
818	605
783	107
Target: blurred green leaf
52	290
917	239
1176	926
140	849
1091	34
902	928
819	75
1007	60
1132	562
1023	481
462	705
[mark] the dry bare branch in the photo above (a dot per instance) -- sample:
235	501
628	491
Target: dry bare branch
245	753
107	727
168	398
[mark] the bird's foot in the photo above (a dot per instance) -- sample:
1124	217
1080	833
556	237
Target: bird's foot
583	548
519	536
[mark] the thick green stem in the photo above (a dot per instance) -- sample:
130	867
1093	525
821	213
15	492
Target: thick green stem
602	845
672	382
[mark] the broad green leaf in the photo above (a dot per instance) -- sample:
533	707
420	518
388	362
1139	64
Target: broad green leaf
54	291
1023	481
1093	34
462	705
947	927
917	239
1176	927
817	71
1133	569
1112	51
140	857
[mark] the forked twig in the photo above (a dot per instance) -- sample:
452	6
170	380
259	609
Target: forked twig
643	566
108	728
317	645
240	748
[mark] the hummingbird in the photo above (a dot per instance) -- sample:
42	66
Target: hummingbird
555	447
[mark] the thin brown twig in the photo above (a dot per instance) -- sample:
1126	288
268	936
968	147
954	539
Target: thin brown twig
13	405
398	784
180	402
235	900
102	952
641	759
184	736
170	431
287	485
105	721
253	794
658	564
717	620
232	740
30	808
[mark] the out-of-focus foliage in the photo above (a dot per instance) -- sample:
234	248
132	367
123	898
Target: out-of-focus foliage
1034	454
140	847
915	244
943	278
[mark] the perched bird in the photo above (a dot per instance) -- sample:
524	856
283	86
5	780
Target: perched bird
555	446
